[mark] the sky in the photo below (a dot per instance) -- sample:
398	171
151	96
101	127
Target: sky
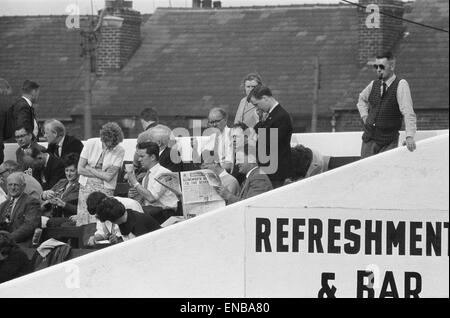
58	7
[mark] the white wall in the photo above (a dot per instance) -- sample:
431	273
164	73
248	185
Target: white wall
328	144
213	255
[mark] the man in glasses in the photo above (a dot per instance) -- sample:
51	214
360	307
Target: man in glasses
382	106
220	142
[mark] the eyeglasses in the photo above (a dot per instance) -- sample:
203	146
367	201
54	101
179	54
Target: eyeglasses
380	66
213	122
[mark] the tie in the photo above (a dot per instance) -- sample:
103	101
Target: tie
57	150
146	178
8	211
384	90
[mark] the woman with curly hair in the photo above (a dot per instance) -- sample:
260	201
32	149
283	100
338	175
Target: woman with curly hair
13	261
247	112
99	165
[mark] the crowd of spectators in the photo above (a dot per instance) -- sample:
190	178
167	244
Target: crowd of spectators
71	184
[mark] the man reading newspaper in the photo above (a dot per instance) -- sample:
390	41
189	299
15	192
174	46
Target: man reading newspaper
156	200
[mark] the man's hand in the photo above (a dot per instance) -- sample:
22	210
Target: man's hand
410	143
223	192
58	202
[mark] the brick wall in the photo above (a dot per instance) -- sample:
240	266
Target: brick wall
117	45
377	40
430	119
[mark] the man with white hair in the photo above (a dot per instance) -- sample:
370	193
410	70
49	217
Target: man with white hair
60	144
256	181
20	214
33	188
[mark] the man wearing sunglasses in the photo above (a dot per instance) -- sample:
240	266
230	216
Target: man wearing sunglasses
382	106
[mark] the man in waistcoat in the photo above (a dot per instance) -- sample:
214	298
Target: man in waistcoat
382	106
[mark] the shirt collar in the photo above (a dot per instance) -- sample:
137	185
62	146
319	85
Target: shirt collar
28	101
223	174
390	80
46	160
154	168
60	143
273	107
248	173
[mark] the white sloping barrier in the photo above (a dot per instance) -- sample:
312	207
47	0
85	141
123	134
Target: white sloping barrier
384	218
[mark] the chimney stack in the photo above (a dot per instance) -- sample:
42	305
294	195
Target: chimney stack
120	36
379	35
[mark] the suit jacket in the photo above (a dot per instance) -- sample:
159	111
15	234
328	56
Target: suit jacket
23	115
166	162
281	120
52	172
70	196
256	183
20	154
70	144
26	217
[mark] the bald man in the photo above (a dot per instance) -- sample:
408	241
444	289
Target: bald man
20	214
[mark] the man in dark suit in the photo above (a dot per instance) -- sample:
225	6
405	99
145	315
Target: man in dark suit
24	138
256	181
47	169
20	214
279	166
23	109
60	144
149	118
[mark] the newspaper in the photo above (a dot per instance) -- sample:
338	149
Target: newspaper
198	192
196	189
170	180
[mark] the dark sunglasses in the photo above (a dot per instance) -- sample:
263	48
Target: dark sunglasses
376	66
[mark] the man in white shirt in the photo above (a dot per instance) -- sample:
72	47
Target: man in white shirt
382	106
157	200
220	141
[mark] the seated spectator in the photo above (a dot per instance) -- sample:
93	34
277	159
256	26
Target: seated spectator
47	169
220	141
306	163
13	261
242	136
24	138
99	165
149	118
33	188
60	202
107	230
228	181
157	200
256	181
20	215
130	222
60	144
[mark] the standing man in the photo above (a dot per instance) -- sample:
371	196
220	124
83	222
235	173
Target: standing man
149	118
278	119
23	109
60	144
382	105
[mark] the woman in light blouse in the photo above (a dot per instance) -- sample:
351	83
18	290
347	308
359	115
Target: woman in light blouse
246	112
99	165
